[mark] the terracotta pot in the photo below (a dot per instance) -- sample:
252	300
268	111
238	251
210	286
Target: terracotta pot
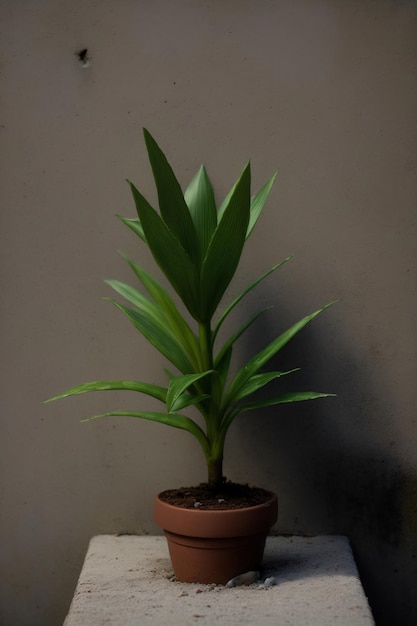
214	546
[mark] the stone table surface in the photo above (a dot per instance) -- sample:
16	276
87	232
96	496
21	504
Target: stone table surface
127	581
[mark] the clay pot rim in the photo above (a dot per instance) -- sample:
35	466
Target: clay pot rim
217	523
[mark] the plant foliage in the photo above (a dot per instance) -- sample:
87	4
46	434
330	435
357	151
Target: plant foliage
198	248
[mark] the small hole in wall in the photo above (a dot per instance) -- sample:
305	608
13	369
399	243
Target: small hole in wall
83	57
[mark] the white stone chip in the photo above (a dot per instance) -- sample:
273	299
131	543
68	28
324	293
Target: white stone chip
248	578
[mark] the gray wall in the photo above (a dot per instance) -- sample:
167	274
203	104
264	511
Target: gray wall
324	91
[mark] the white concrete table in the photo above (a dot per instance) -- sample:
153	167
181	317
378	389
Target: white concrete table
127	581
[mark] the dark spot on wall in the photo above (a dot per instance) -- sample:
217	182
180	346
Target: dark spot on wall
83	57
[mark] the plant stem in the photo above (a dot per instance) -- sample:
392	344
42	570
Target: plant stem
215	472
215	457
206	345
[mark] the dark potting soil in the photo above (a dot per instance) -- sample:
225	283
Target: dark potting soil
209	498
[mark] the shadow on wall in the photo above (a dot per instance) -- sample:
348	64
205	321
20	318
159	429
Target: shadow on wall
337	457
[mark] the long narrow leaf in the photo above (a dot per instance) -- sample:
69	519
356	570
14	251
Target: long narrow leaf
160	393
180	384
292	396
229	343
225	247
134	224
171	257
260	359
186	399
225	203
219	379
256	382
258	202
176	321
158	337
144	304
236	301
140	203
199	197
174	209
157	320
173	419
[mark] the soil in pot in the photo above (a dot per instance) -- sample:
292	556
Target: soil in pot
206	497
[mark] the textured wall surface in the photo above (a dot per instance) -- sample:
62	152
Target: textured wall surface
325	91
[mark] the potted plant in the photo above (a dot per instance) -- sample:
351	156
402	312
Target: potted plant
198	248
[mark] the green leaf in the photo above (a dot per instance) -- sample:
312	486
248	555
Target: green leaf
225	247
225	203
134	224
175	320
140	301
222	366
258	381
186	399
199	197
174	209
155	317
140	202
229	343
292	396
160	393
180	384
173	419
260	359
244	292
171	258
158	336
258	203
